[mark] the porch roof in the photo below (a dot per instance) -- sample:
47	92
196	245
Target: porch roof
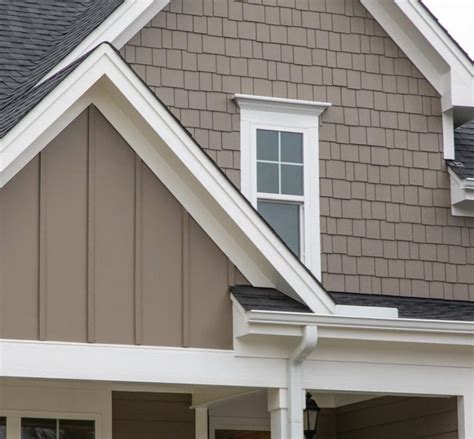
270	299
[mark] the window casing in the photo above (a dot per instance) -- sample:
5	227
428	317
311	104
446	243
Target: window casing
280	169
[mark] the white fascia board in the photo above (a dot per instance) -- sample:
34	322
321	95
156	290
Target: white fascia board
428	47
238	232
117	29
438	332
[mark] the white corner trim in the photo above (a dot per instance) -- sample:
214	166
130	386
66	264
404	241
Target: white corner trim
117	29
104	79
253	102
448	135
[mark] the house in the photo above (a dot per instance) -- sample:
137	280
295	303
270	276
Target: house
210	207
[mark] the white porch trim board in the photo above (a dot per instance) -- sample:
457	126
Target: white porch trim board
348	369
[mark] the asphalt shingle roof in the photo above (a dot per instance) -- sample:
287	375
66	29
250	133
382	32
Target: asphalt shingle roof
412	307
463	165
269	299
266	299
35	35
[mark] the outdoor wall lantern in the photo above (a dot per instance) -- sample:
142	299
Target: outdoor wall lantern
310	417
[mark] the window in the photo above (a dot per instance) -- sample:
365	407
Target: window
3	427
280	169
41	428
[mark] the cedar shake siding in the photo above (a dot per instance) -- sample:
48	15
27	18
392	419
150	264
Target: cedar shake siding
95	249
385	203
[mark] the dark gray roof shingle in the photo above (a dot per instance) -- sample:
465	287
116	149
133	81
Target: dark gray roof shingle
35	35
412	307
463	165
269	299
265	299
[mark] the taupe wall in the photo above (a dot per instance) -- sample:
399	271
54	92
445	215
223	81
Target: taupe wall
396	418
152	415
385	206
95	248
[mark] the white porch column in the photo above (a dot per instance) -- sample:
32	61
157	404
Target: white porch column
466	415
201	423
278	408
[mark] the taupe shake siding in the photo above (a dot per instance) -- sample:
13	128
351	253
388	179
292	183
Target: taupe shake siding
94	248
385	206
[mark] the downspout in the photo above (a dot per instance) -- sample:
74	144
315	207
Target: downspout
295	381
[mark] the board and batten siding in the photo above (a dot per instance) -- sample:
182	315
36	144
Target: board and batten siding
94	248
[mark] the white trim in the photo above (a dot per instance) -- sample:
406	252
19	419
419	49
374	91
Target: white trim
107	81
462	195
261	112
443	64
436	332
448	135
145	364
116	29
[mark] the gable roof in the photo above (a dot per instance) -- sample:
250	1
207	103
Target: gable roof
41	40
35	35
103	78
268	299
463	164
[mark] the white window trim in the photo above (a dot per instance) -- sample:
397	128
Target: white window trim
258	112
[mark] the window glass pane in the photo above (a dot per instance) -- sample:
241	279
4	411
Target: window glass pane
292	147
32	428
267	178
76	429
267	145
285	220
3	427
292	179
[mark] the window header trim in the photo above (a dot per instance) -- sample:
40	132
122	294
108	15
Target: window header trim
280	105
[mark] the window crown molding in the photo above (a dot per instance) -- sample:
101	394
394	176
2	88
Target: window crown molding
280	105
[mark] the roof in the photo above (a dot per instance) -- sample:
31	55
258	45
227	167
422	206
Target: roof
463	165
269	299
34	36
265	299
412	307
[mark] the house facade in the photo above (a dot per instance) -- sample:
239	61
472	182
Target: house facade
210	208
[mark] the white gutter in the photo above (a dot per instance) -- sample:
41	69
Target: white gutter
435	332
295	381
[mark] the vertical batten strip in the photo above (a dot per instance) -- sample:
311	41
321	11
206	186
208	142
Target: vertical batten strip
42	287
90	223
185	281
138	273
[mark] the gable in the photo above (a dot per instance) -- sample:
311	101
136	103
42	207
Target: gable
95	248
